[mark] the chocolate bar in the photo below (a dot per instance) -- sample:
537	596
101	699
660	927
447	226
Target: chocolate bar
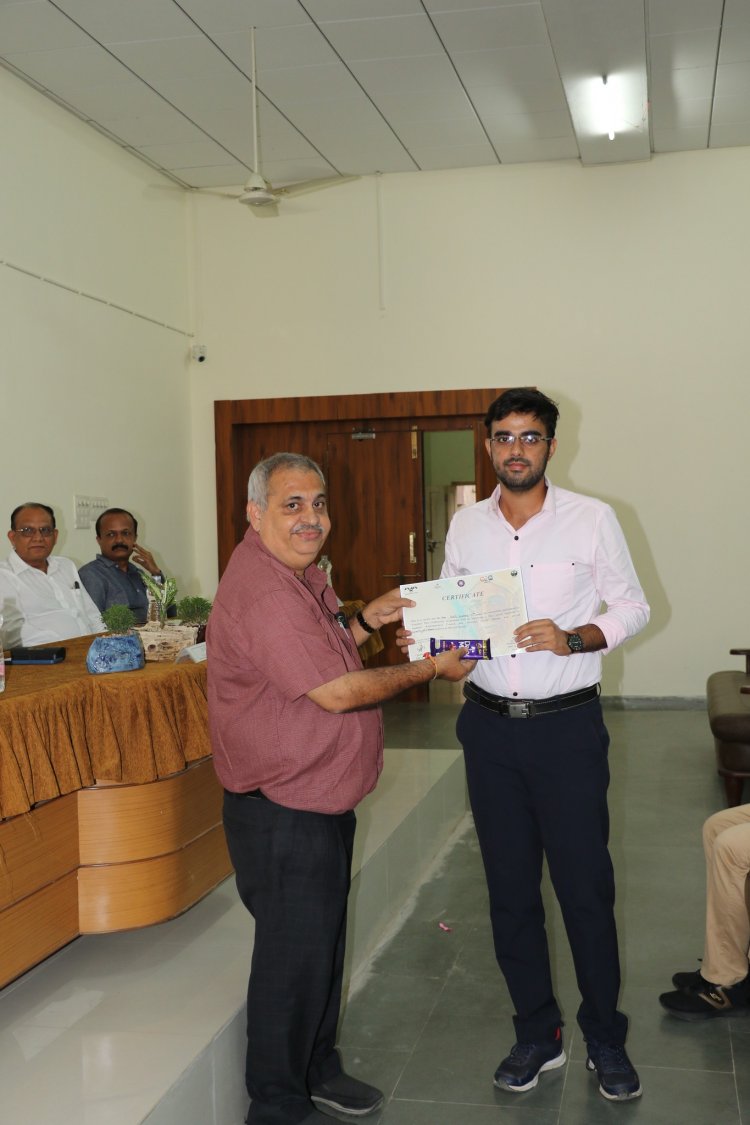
478	650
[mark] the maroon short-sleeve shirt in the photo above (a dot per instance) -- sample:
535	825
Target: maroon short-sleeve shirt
271	638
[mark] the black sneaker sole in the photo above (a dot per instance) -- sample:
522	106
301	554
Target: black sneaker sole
332	1104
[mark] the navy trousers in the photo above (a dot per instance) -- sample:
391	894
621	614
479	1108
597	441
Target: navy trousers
538	787
293	872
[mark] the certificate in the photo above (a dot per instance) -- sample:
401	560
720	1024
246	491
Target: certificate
478	607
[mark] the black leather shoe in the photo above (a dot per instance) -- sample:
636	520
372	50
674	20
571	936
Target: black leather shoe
347	1095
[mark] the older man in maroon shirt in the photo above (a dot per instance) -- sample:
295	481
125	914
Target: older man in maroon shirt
298	741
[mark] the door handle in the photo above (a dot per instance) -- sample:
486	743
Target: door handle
413	547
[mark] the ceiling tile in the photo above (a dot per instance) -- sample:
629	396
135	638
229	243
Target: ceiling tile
312	82
733	80
736	16
697	82
529	65
70	68
127	96
680	140
166	127
548	148
492	28
426	105
213	175
37	27
278	47
683	113
684	49
469	156
324	10
389	76
530	126
516	97
735	47
736	133
730	110
216	16
111	21
446	134
192	56
668	16
190	154
435	6
395	37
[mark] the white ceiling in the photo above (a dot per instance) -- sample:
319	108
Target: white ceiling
362	86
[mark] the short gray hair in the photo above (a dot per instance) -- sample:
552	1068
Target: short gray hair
257	485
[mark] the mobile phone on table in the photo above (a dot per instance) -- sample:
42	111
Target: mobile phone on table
37	655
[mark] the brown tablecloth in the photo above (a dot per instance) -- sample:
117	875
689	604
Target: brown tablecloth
62	729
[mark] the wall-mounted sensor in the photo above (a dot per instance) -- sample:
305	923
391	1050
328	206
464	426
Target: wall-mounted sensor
199	353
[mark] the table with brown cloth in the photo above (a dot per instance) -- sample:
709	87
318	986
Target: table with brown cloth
63	729
110	811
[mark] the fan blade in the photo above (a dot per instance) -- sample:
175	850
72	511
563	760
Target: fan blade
314	185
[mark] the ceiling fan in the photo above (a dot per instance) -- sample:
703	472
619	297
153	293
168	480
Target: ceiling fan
257	191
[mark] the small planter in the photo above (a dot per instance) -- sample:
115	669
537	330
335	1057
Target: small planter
164	644
115	653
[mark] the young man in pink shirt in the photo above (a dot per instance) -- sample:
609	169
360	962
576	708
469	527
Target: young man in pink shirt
535	743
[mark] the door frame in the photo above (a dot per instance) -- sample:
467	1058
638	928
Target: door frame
234	420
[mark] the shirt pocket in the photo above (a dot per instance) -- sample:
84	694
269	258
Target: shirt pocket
550	589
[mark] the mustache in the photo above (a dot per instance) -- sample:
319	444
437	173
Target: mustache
120	547
307	527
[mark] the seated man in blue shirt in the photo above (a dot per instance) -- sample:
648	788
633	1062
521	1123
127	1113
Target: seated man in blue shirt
112	579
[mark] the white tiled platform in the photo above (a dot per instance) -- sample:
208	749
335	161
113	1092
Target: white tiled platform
148	1026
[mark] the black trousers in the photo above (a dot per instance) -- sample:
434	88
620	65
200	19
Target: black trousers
539	787
293	872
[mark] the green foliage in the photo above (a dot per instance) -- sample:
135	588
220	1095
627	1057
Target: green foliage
193	610
164	593
118	618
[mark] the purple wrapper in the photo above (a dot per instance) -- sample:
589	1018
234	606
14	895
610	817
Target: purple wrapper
478	650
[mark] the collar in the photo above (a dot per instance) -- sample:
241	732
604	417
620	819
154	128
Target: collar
549	507
18	566
113	563
312	574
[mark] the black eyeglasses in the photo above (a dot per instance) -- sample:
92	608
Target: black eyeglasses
528	438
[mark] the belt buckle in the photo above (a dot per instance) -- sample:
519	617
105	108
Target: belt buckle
519	709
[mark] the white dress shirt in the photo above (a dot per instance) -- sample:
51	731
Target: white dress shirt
41	608
573	557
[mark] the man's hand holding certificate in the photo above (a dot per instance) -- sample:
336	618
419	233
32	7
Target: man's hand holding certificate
474	611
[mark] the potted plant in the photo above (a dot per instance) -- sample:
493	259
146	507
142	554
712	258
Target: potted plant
118	650
194	611
163	593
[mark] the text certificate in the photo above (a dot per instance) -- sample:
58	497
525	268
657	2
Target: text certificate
471	606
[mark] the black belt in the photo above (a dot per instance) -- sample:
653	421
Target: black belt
254	794
528	708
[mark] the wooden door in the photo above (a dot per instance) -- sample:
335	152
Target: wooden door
375	500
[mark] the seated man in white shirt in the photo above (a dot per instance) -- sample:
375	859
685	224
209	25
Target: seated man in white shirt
42	599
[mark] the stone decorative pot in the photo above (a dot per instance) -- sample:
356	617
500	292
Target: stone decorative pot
115	652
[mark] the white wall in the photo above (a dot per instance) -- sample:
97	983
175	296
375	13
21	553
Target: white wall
621	291
95	400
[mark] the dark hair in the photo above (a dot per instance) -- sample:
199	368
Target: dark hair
115	512
31	504
524	400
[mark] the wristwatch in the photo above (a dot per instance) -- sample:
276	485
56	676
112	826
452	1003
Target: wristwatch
575	643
